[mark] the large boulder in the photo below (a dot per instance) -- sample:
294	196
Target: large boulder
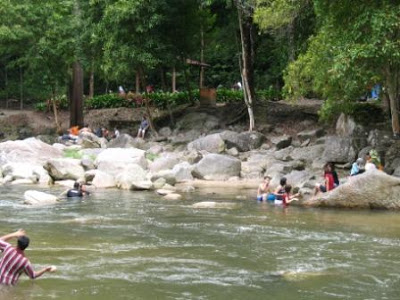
307	154
115	160
31	151
90	140
201	122
339	150
32	197
244	141
103	180
212	143
18	170
65	168
256	165
126	141
310	134
125	179
183	172
217	167
282	142
373	189
166	162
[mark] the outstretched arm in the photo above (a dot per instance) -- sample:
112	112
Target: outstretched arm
15	234
33	275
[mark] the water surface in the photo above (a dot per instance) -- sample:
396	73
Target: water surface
135	245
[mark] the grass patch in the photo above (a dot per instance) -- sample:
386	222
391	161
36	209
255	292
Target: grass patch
72	153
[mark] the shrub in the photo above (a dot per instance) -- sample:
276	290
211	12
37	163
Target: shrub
72	153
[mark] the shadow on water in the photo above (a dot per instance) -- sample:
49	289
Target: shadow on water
135	245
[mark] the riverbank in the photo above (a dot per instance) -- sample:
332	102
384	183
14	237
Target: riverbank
202	150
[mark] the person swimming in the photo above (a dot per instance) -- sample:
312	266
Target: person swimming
77	191
263	192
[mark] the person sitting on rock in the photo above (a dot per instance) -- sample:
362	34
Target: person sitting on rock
356	167
369	165
263	192
144	125
77	191
329	183
332	169
85	128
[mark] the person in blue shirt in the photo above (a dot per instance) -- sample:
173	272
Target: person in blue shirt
144	125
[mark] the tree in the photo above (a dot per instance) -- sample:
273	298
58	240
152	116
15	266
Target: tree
247	32
357	45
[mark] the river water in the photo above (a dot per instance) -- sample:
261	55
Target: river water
135	245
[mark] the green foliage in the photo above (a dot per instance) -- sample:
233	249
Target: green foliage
362	112
72	153
151	156
40	106
105	101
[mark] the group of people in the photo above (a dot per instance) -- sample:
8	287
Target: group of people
282	195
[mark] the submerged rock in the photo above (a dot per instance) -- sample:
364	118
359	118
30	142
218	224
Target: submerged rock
38	198
373	189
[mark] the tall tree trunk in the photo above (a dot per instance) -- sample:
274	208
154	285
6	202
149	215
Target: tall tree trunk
173	79
21	89
137	83
76	117
291	44
146	101
392	82
91	83
245	17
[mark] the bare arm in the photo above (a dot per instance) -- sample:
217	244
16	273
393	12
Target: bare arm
15	234
33	275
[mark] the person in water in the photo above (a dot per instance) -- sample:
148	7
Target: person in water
329	183
263	192
280	190
13	262
77	191
288	197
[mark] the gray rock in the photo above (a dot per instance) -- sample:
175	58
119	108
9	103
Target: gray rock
164	163
183	172
244	141
159	183
233	152
310	134
129	176
284	154
90	140
168	176
184	137
373	189
172	196
65	168
282	141
126	141
211	143
32	197
200	122
103	180
32	151
217	167
308	154
142	186
339	150
165	131
193	157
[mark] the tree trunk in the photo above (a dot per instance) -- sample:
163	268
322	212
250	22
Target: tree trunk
392	82
137	83
187	83
6	84
247	61
91	84
173	80
76	117
146	101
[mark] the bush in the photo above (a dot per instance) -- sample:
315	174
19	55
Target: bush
41	106
106	101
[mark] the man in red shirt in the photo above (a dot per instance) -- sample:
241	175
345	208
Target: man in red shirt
14	262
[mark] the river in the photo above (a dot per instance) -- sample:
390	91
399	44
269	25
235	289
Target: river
134	245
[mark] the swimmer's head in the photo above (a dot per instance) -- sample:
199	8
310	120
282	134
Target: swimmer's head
23	242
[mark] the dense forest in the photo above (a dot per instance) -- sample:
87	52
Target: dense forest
331	50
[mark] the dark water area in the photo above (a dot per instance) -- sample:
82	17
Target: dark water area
135	245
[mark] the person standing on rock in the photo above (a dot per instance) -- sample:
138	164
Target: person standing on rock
14	263
263	192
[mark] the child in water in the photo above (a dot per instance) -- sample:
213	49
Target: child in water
263	192
287	197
